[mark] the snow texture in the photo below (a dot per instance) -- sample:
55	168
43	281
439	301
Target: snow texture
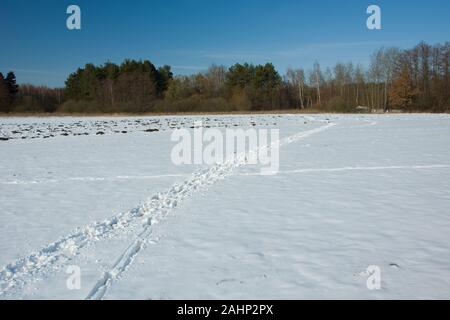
352	191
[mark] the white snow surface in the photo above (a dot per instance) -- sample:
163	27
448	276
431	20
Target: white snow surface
102	193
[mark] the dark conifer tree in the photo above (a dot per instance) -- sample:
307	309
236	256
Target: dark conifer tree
4	95
13	88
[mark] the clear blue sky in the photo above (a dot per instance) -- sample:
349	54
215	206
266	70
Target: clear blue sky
189	35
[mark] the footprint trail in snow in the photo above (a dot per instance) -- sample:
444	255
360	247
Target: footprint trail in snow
15	276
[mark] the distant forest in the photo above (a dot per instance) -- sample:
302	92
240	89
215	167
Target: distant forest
414	80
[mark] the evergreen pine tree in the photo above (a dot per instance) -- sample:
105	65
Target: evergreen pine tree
4	95
13	88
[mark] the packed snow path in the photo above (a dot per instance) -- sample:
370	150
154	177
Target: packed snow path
132	231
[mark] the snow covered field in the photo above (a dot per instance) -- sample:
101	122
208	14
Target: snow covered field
103	194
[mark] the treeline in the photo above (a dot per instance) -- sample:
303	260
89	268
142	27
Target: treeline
133	86
414	80
27	98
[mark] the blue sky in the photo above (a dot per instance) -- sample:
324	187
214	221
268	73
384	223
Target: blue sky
190	35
